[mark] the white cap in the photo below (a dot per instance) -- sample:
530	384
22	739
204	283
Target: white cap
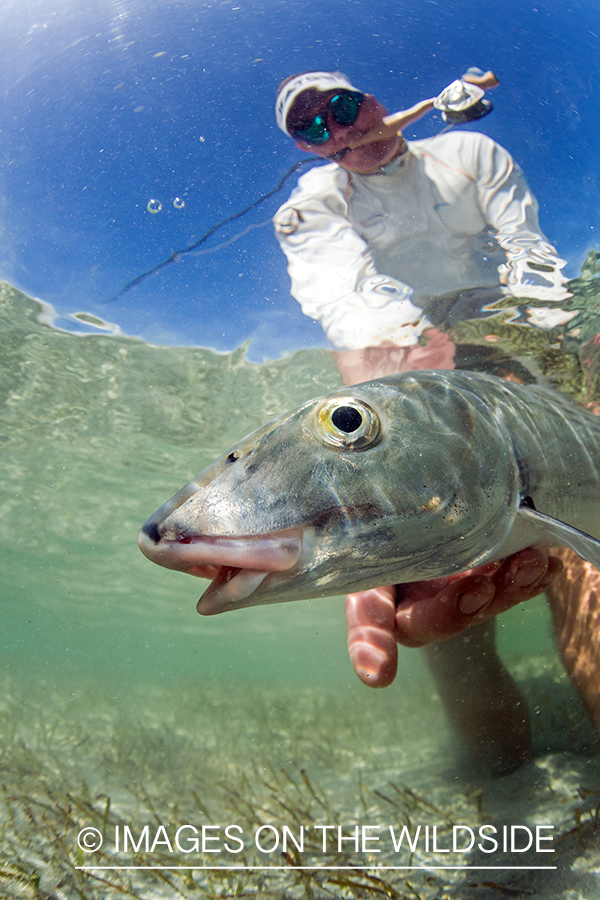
320	81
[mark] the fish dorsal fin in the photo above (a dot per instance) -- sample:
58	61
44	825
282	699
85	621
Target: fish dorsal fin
558	532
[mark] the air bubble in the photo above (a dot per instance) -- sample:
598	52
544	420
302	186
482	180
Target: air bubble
154	206
178	203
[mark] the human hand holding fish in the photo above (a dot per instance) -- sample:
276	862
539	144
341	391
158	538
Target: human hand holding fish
424	612
421	475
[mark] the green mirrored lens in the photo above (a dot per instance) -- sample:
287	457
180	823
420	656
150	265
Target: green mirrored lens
315	133
344	107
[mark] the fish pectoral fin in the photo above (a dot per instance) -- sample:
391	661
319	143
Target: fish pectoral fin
558	532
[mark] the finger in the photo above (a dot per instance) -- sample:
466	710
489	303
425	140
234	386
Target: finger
370	618
440	609
523	576
448	608
487	81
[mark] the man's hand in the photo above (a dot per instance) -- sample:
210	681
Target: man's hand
388	359
425	612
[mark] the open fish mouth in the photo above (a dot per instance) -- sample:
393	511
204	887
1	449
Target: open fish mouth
236	566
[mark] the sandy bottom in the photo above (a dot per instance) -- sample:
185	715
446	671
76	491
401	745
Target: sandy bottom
278	765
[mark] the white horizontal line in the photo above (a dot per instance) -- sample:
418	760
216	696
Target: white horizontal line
316	868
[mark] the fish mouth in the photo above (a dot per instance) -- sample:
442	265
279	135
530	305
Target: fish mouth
236	566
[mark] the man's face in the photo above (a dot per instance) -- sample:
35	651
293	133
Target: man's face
364	159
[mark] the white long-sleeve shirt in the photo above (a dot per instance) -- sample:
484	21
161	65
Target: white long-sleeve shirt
368	254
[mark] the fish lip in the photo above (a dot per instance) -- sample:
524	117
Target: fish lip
231	588
248	559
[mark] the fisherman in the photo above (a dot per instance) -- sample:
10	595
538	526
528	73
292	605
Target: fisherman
373	239
390	240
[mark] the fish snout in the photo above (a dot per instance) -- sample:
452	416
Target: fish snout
238	564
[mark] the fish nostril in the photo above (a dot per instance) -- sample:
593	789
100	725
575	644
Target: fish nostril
233	457
150	529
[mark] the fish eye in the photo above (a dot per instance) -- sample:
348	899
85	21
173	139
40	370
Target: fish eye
347	424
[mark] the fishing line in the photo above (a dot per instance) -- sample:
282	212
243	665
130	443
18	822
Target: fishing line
233	239
177	254
446	128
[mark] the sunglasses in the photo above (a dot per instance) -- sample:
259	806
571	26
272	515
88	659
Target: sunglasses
343	108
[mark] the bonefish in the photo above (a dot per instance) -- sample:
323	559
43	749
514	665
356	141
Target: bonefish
410	477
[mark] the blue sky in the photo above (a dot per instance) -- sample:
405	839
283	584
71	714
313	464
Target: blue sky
107	104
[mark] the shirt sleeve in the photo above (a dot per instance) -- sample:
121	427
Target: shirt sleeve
533	268
333	274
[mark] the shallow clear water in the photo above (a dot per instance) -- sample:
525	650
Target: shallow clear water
113	687
119	705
